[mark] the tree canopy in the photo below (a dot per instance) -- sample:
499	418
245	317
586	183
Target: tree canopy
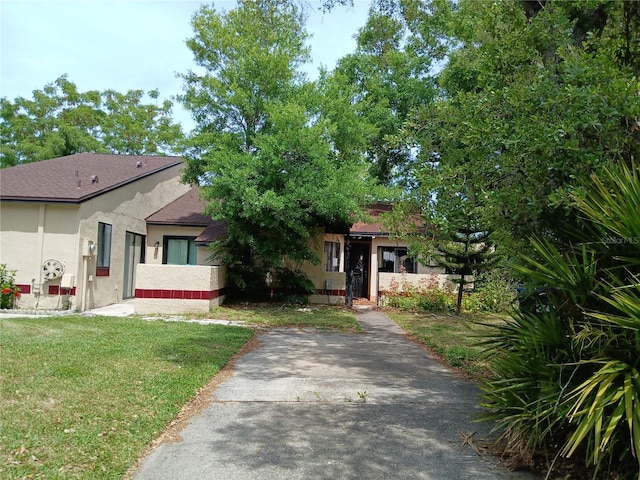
534	98
277	156
60	120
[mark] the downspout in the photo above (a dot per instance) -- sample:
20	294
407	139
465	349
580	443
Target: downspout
41	218
85	261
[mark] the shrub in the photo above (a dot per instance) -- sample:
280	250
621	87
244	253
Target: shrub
566	374
494	293
426	296
9	293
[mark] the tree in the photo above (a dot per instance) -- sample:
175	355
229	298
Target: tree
60	120
391	77
277	156
462	243
535	97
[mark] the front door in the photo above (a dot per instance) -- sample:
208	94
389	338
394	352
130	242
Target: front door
133	254
359	269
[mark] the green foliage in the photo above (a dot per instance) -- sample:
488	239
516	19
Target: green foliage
427	296
534	99
60	120
494	291
9	293
567	372
391	78
278	157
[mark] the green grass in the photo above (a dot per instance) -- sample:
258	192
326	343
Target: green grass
453	338
82	397
317	316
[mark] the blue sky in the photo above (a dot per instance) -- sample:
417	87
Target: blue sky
130	44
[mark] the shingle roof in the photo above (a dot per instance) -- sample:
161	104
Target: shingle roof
77	178
188	211
372	227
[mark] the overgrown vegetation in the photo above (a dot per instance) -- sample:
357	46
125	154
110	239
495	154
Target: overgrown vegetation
277	156
83	397
494	292
566	371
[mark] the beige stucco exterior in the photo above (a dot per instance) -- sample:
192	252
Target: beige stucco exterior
33	232
331	286
178	289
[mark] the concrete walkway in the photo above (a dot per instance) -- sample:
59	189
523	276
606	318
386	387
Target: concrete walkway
324	405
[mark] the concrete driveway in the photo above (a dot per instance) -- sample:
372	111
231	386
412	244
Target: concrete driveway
324	405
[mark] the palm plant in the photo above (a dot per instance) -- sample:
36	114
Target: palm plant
566	376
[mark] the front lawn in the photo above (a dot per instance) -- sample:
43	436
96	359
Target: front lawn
273	315
453	338
82	397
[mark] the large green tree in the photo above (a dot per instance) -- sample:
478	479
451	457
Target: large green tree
390	71
535	97
277	156
60	120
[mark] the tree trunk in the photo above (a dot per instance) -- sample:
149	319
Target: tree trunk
460	291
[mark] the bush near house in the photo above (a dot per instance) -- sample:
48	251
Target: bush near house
9	293
494	292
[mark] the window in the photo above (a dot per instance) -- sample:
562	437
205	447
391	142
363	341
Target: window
396	260
103	260
179	251
332	256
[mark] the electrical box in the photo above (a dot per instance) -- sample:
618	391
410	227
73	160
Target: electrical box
88	248
67	281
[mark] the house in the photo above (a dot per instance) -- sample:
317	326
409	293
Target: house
374	260
88	230
74	228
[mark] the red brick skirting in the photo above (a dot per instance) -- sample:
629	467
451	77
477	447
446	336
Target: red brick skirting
57	290
179	294
24	287
339	293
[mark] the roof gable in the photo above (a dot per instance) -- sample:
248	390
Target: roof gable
77	178
187	210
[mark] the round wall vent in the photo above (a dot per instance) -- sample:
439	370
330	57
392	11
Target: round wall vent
52	269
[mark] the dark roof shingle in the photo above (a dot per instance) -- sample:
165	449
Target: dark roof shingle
77	178
187	210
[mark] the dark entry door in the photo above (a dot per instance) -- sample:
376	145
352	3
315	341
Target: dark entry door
359	269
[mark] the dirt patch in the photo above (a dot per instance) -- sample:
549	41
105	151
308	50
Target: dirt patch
171	434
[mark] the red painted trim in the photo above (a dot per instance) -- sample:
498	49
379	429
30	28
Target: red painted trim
57	290
24	287
338	293
179	294
102	271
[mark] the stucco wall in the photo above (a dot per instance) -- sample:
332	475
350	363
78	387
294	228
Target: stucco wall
126	209
432	280
32	232
178	289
